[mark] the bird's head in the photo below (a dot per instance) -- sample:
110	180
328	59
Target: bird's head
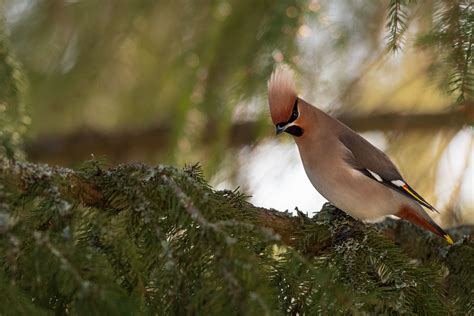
283	102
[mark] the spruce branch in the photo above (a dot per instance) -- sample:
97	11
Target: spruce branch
450	40
159	239
397	24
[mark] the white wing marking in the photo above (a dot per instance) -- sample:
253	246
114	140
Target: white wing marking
376	176
398	183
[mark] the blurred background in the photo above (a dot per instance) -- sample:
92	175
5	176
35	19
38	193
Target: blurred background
184	82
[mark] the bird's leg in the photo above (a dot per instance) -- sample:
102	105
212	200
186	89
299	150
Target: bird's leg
347	232
343	234
347	227
342	225
335	212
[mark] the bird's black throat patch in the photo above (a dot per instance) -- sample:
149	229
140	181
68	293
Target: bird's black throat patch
294	130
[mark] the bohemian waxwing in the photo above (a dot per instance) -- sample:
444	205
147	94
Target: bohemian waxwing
343	167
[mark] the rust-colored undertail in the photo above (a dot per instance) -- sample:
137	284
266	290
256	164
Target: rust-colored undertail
411	215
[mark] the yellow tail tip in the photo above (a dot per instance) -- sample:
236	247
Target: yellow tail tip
448	239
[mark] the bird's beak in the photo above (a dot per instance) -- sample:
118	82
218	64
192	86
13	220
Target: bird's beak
281	128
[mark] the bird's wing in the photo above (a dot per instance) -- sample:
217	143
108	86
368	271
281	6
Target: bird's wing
373	163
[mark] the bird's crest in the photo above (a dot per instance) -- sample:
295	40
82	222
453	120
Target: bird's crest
281	93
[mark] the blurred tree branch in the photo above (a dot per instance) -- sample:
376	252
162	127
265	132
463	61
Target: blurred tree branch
134	144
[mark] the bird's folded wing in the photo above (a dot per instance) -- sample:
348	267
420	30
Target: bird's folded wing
373	163
400	186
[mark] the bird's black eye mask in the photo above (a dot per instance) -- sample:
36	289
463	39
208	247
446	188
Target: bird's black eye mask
292	130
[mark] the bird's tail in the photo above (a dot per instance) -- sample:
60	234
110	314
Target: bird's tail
423	220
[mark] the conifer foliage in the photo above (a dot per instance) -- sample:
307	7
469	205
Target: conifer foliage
140	239
449	39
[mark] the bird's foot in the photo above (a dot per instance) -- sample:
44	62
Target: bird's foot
343	234
348	231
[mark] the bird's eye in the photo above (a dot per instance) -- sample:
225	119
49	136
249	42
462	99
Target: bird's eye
294	114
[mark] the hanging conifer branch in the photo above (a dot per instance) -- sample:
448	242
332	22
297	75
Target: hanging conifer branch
397	24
